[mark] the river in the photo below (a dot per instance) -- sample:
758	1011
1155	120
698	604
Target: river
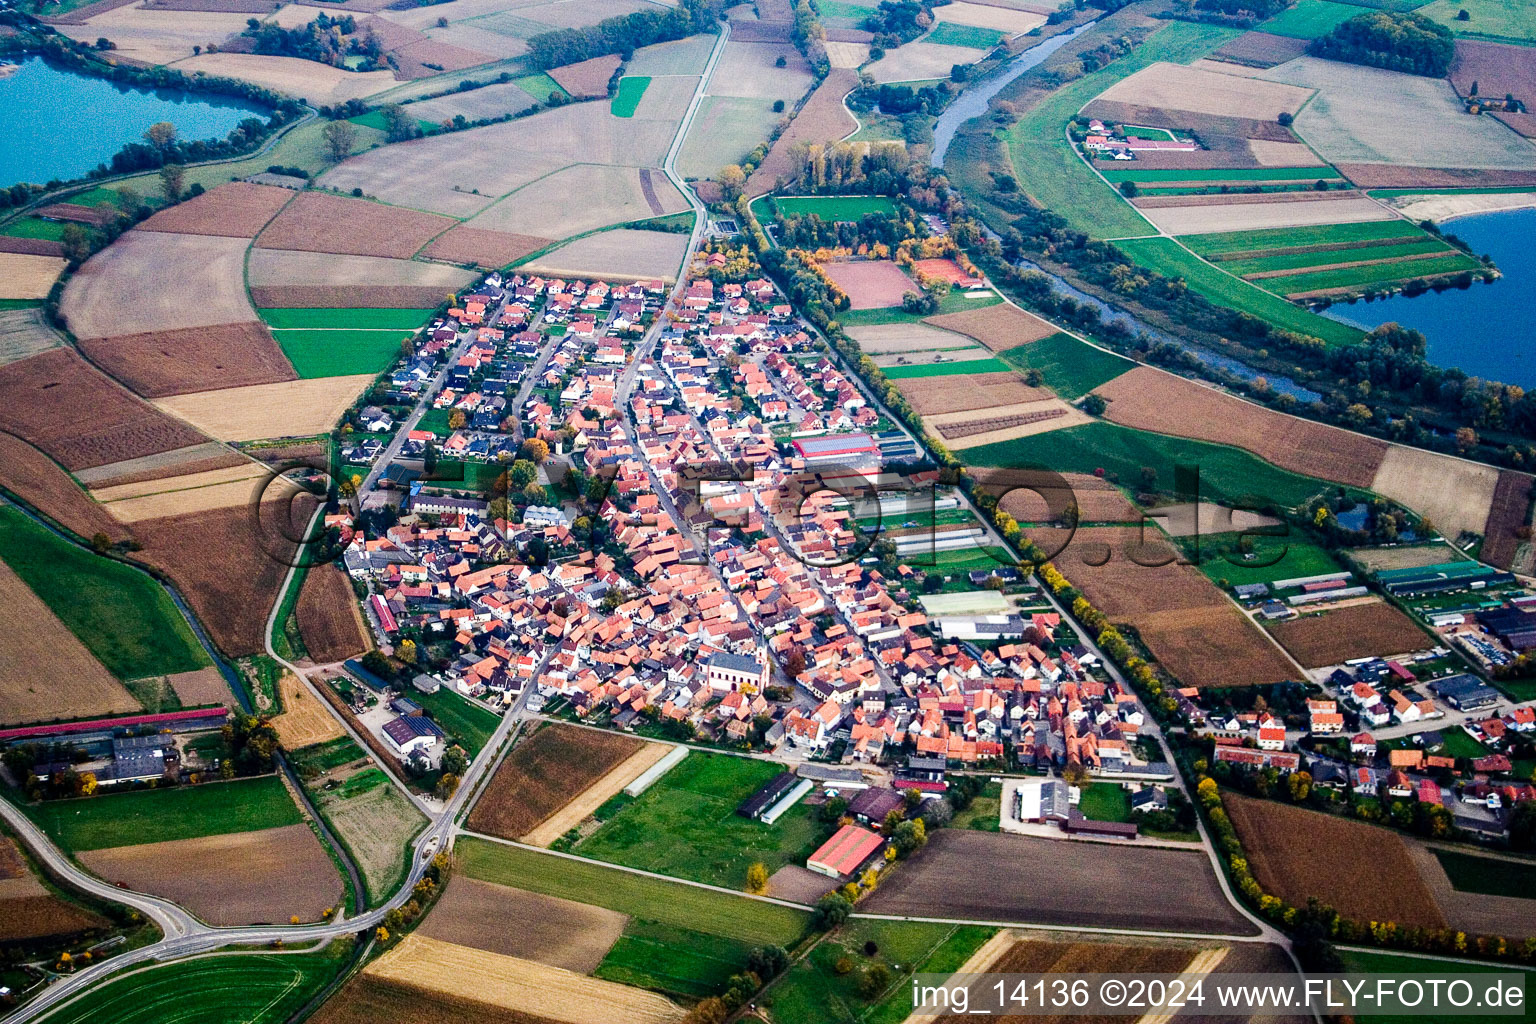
1481	329
58	124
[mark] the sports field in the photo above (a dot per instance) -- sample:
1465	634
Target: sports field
648	899
1071	368
161	815
686	824
338	352
1165	256
627	100
122	615
248	988
833	208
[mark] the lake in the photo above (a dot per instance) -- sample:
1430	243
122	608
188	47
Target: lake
59	124
1481	329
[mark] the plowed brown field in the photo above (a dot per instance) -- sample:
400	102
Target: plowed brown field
328	618
37	480
162	363
236	210
935	396
318	222
545	772
823	119
553	931
1507	512
1356	631
998	327
488	249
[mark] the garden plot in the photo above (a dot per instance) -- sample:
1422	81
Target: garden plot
1364	115
622	254
1373	630
1014	22
559	933
156	281
962	430
302	79
1240	214
1176	87
296	408
24	276
871	284
880	340
581	198
261	877
317	222
236	210
921	62
25	332
162	363
490	250
1453	494
156	37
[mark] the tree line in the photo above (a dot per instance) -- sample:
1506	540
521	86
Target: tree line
622	34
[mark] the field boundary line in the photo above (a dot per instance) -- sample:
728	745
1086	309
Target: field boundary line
1144	933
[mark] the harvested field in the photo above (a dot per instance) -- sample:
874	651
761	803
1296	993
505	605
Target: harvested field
1187	217
156	37
45	671
1150	399
847	55
1412	557
242	878
999	327
872	284
944	359
318	222
194	492
1453	494
623	254
376	822
921	62
491	250
580	198
157	281
1057	881
296	408
201	686
1283	154
520	985
1508	511
879	340
1005	423
559	933
1224	131
748	71
1176	87
271	268
1186	622
1097	500
486	102
328	617
23	276
1364	115
197	458
163	363
236	210
33	246
417	60
1497	68
545	772
822	119
25	332
1012	21
1355	631
1189	519
345	296
1388	176
935	396
303	79
37	480
1371	875
1261	49
305	720
40	915
368	1000
587	78
227	565
80	416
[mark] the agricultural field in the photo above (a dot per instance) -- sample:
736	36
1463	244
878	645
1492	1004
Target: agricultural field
158	364
38	481
289	278
737	112
1232	558
948	33
24	331
165	815
544	772
320	222
197	458
1261	49
823	119
1009	19
1508	20
236	210
546	208
873	284
305	720
1357	631
339	351
194	492
925	61
1156	180
1097	500
954	302
1004	423
1507	514
1488	876
156	281
1310	19
376	823
686	824
1407	963
998	326
313	761
952	877
489	250
1168	258
627	99
1197	214
316	82
587	78
930	396
1371	875
948	368
639	896
328	617
1155	400
1071	368
27	276
1282	261
151	36
298	408
31	910
248	988
616	254
832	208
1166	86
123	616
1453	494
890	341
561	933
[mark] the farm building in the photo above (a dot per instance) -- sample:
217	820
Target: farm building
766	796
411	733
845	449
846	852
1040	802
1465	693
872	805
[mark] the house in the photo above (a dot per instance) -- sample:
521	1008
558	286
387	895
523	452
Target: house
1363	744
871	806
845	853
1150	799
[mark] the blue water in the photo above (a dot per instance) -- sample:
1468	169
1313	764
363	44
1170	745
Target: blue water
1483	329
59	124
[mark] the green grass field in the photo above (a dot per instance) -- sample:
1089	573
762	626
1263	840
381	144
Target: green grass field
1071	368
1512	21
1392	193
647	899
1226	474
686	824
947	33
1274	558
1424	966
339	353
1105	801
1309	19
833	208
122	615
627	100
539	87
982	815
1306	174
1298	260
1380	273
356	319
675	960
322	757
20	303
1225	242
248	988
34	227
375	120
1048	168
469	724
1165	256
158	815
954	302
959	369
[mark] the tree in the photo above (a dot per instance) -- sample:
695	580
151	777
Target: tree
398	125
1466	439
911	797
831	911
447	785
732	180
457	419
87	783
161	134
1300	784
875	980
768	961
757	878
535	450
76	241
406	652
382	934
340	137
171	178
100	543
778	106
1128	189
429	457
455	760
1094	405
794	663
521	474
708	1011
